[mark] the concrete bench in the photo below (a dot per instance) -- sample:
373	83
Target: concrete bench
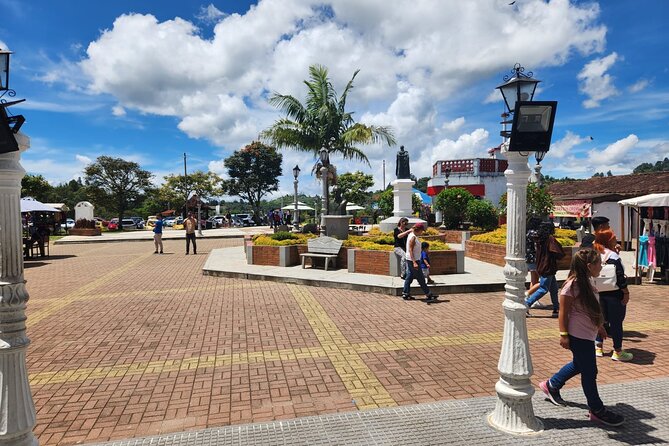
322	248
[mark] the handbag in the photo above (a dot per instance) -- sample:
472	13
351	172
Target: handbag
607	279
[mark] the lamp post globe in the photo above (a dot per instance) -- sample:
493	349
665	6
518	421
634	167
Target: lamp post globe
296	218
4	69
520	86
513	411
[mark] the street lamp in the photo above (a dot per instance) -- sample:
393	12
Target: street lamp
532	123
17	410
325	162
537	177
296	219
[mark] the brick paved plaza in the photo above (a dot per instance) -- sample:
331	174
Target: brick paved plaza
126	343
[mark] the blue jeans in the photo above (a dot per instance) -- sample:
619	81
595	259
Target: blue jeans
546	284
414	273
585	363
614	315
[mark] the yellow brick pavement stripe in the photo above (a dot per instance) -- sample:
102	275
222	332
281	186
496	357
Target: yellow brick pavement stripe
82	292
360	381
325	350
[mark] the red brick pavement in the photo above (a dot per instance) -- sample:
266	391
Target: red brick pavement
126	343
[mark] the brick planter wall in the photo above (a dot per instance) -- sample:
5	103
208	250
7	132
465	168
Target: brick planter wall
443	262
372	262
269	255
487	252
265	255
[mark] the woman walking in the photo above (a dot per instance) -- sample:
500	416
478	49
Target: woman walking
399	234
580	321
548	252
613	302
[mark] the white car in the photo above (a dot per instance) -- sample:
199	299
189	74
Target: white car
69	224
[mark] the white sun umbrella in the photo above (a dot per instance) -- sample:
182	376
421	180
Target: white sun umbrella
300	207
32	205
353	207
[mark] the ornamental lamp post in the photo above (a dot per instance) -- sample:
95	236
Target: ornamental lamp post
296	219
530	132
537	177
17	409
325	162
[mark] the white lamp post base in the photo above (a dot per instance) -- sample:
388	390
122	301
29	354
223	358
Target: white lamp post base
513	412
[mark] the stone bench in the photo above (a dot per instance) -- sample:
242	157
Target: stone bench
322	248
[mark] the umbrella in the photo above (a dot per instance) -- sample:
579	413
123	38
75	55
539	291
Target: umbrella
300	207
32	205
353	207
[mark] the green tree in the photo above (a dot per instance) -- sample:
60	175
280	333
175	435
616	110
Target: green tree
177	187
421	183
35	186
452	202
322	122
482	214
539	202
253	172
116	183
659	166
353	187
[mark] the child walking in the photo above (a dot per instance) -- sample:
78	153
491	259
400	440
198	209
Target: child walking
425	261
580	321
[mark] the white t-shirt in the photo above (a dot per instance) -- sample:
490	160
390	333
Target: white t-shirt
416	247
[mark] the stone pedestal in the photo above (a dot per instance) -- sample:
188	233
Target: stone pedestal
337	226
17	410
514	412
402	192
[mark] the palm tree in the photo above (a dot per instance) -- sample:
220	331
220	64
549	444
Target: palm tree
322	122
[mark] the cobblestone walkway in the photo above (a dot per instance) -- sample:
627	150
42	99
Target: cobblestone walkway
127	344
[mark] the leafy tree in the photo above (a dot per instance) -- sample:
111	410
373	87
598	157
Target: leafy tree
177	187
452	202
547	179
254	172
116	183
352	187
35	186
539	202
659	166
322	122
482	214
421	183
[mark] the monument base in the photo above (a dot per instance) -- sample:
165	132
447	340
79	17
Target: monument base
337	226
390	223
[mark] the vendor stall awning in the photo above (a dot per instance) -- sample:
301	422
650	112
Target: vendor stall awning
652	200
572	208
32	205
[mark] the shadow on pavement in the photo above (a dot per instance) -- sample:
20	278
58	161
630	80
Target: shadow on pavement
33	262
641	357
634	431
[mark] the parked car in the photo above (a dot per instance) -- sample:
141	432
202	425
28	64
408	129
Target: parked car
113	224
220	219
69	224
139	222
244	219
169	221
130	223
151	221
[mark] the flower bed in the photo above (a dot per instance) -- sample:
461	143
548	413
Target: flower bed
494	253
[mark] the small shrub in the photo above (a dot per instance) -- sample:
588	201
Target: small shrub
268	240
283	235
83	223
481	213
310	228
566	237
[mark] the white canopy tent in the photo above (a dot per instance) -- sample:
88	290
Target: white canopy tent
300	207
353	207
650	200
31	205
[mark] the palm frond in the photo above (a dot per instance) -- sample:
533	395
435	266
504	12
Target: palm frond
342	99
288	104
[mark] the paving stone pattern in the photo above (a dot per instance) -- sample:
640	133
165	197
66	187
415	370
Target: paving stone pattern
128	344
464	422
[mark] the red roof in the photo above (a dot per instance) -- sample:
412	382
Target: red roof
633	185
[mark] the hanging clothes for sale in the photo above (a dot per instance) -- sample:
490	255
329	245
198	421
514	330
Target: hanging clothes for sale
662	252
643	251
651	246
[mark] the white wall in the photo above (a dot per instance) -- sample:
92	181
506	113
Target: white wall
611	210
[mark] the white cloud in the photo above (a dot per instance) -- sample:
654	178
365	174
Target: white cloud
118	110
493	97
639	85
615	153
83	159
595	82
454	125
563	147
210	14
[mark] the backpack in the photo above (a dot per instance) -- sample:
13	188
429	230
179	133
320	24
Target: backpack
607	280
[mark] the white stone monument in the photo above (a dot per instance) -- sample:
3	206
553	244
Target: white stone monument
83	210
402	195
17	410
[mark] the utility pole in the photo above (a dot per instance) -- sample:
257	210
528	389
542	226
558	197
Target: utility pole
185	188
383	187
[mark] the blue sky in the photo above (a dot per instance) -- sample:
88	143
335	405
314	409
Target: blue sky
147	80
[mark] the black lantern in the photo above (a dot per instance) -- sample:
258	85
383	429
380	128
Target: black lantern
518	87
296	171
325	158
4	69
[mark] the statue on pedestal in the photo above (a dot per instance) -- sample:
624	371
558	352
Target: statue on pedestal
402	170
